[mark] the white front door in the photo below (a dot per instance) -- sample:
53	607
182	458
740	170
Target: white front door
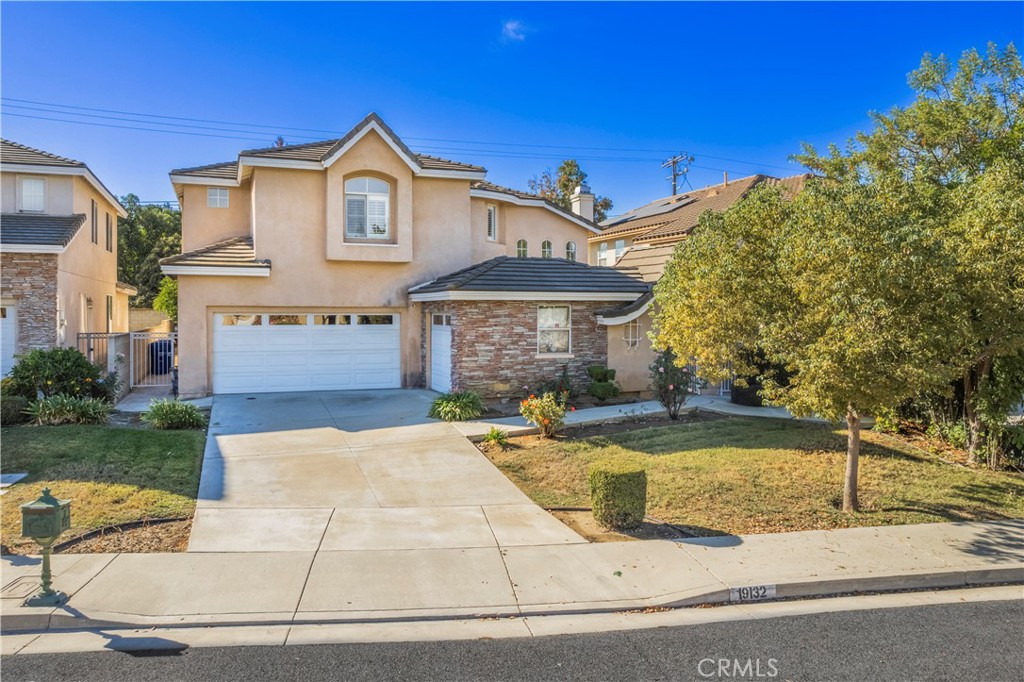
287	351
8	337
441	353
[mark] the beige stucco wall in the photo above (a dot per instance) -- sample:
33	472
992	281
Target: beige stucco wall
532	223
59	192
202	225
631	365
595	244
121	312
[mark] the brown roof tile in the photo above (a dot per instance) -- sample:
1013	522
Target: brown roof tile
649	260
12	152
237	252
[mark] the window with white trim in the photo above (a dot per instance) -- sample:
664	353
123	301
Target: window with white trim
33	195
631	334
570	251
217	197
110	313
545	249
554	334
95	223
492	223
110	233
521	250
367	209
602	253
620	248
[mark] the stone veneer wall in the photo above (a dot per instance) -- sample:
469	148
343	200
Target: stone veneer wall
494	345
31	279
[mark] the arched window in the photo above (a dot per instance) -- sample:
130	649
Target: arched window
521	248
545	249
570	251
367	209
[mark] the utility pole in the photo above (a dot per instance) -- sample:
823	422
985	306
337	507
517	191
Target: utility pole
680	165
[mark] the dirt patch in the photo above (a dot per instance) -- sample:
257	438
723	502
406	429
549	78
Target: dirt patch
161	537
509	407
583	522
130	420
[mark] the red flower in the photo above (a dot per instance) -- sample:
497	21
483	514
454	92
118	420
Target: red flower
547	421
572	409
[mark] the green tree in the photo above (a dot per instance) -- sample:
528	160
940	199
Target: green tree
960	144
166	300
558	188
149	233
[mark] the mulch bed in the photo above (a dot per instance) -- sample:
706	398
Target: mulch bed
509	407
583	522
162	537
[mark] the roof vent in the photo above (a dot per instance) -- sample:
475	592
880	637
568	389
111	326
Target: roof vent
712	193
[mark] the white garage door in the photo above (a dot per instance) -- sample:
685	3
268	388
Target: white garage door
441	353
8	337
265	352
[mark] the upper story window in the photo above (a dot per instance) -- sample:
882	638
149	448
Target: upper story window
110	233
367	208
95	216
217	197
620	248
521	250
492	223
570	251
545	249
33	195
602	253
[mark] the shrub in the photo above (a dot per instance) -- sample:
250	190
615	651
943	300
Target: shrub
12	410
173	414
886	421
66	409
602	382
457	406
7	386
547	412
618	495
672	384
57	371
498	437
560	386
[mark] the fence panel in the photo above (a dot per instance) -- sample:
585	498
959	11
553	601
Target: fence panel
154	357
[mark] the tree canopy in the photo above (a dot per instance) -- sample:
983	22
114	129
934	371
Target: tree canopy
559	187
149	233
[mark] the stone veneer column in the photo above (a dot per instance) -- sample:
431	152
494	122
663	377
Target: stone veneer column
31	279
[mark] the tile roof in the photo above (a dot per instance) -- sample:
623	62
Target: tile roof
627	308
491	187
227	169
38	229
505	273
648	260
12	152
237	252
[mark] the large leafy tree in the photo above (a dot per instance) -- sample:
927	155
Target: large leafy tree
559	186
149	233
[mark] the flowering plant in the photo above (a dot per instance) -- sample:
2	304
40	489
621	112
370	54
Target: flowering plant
672	384
547	412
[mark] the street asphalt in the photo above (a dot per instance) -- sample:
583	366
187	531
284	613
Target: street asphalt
962	641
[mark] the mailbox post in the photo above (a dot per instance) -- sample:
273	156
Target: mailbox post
43	521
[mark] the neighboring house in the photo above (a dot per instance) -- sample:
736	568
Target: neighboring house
641	242
298	262
58	245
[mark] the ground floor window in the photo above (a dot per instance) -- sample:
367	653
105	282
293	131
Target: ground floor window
553	330
631	334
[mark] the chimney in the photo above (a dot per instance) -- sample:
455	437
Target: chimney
726	178
583	203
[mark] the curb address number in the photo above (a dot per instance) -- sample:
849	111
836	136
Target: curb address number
752	593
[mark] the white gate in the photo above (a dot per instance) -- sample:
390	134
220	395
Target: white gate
154	358
441	353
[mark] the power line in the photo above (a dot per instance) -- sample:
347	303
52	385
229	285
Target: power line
680	165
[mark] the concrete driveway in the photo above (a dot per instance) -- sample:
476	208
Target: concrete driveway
353	470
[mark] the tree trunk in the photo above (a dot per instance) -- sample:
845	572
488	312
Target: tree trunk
973	380
850	502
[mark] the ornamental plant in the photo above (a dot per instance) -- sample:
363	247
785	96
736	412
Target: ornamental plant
457	406
672	384
547	412
57	371
65	409
173	414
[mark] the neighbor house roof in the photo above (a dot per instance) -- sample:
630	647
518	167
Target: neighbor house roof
510	278
16	157
34	230
235	256
647	259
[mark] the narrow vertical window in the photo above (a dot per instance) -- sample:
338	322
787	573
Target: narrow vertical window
620	248
521	250
110	314
217	197
545	249
95	216
110	233
570	251
492	223
602	254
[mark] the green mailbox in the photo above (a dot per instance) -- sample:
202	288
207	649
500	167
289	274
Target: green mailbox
43	521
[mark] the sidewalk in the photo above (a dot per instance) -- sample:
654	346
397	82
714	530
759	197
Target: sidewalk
289	588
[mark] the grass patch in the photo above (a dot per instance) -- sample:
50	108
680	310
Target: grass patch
111	474
743	475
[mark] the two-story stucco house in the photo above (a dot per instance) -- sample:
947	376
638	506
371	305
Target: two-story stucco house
358	263
58	253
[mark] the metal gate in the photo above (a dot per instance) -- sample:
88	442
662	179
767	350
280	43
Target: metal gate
154	358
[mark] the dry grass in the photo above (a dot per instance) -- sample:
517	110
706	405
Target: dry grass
744	475
111	474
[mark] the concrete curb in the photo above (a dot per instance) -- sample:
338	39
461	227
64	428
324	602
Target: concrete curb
26	620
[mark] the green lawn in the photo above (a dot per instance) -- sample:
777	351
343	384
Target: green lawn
111	474
742	475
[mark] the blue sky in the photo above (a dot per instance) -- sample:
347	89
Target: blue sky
620	86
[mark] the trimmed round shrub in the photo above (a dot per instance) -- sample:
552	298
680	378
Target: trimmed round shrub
457	406
618	495
173	414
66	409
12	410
57	371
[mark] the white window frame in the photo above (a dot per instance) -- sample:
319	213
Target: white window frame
620	248
492	223
368	196
602	253
570	251
522	249
631	334
218	197
546	249
568	351
21	194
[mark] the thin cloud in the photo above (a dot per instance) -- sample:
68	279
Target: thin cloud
513	30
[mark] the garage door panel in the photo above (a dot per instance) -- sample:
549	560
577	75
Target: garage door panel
253	359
